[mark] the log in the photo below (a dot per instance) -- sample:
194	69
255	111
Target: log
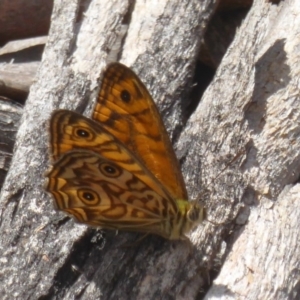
10	115
19	61
238	150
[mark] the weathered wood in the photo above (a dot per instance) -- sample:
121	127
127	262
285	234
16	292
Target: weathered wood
247	122
10	114
16	79
19	61
253	104
45	257
19	45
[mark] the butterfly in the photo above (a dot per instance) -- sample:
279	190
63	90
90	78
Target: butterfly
118	170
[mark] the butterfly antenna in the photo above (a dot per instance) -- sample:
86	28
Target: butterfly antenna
229	163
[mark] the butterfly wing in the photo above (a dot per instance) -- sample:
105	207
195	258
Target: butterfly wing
70	131
125	108
98	192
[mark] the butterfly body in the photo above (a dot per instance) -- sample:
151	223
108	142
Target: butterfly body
119	171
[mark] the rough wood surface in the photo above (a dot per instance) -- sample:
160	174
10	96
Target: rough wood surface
10	115
253	103
247	123
19	61
265	259
19	45
16	79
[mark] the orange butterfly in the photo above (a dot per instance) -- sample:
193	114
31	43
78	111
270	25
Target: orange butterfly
119	170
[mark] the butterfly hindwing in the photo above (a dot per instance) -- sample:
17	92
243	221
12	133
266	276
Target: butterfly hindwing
98	192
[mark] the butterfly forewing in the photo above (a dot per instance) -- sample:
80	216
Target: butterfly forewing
126	109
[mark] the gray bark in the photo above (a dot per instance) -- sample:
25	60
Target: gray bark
253	104
240	145
10	114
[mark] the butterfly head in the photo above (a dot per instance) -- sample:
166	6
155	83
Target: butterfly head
190	214
196	214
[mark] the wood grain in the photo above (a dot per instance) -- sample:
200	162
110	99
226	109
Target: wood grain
249	111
